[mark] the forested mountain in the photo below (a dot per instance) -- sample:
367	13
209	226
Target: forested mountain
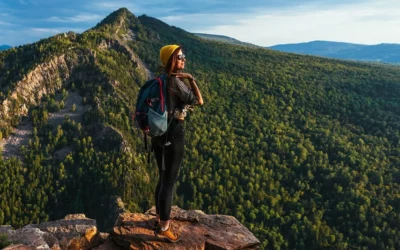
302	150
386	53
4	47
224	39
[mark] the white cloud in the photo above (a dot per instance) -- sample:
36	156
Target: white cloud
76	19
365	23
112	6
362	21
46	30
5	23
54	30
189	17
199	22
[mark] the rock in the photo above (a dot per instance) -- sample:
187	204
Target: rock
31	237
75	217
5	228
108	245
56	247
70	227
134	231
91	239
19	247
196	229
74	232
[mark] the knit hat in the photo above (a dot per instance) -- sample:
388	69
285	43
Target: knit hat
166	52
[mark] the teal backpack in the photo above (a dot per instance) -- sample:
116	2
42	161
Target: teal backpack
151	113
151	107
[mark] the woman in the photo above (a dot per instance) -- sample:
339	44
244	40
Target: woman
172	143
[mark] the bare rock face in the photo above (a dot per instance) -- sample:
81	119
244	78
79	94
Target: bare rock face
46	78
42	80
31	237
196	229
74	232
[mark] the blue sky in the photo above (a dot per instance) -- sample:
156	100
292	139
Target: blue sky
262	22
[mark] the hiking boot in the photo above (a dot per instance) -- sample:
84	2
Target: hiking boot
167	235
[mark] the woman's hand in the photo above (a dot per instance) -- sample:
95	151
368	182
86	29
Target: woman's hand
183	76
193	85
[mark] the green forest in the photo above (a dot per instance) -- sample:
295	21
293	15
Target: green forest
304	151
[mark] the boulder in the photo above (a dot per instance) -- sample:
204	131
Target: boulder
31	237
73	232
196	229
108	245
5	228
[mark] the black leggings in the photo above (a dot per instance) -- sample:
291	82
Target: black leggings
173	155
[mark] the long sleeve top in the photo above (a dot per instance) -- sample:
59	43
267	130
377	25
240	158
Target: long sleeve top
180	98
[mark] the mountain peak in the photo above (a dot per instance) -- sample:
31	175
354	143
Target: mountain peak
117	20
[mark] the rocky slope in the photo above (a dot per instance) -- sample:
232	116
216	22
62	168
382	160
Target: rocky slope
45	79
134	231
51	76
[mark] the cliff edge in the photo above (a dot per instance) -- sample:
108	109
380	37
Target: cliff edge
133	231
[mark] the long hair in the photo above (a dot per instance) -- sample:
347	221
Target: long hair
169	68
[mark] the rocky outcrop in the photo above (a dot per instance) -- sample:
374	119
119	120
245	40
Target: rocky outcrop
73	232
44	79
135	231
196	229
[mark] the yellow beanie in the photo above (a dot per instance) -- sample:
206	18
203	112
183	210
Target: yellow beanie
166	52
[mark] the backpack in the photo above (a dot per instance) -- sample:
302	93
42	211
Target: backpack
151	107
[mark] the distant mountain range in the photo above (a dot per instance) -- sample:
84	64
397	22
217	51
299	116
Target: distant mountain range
4	47
385	52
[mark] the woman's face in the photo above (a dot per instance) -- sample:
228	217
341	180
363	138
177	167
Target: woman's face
180	61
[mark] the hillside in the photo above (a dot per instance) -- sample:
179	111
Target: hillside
224	39
385	53
302	150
